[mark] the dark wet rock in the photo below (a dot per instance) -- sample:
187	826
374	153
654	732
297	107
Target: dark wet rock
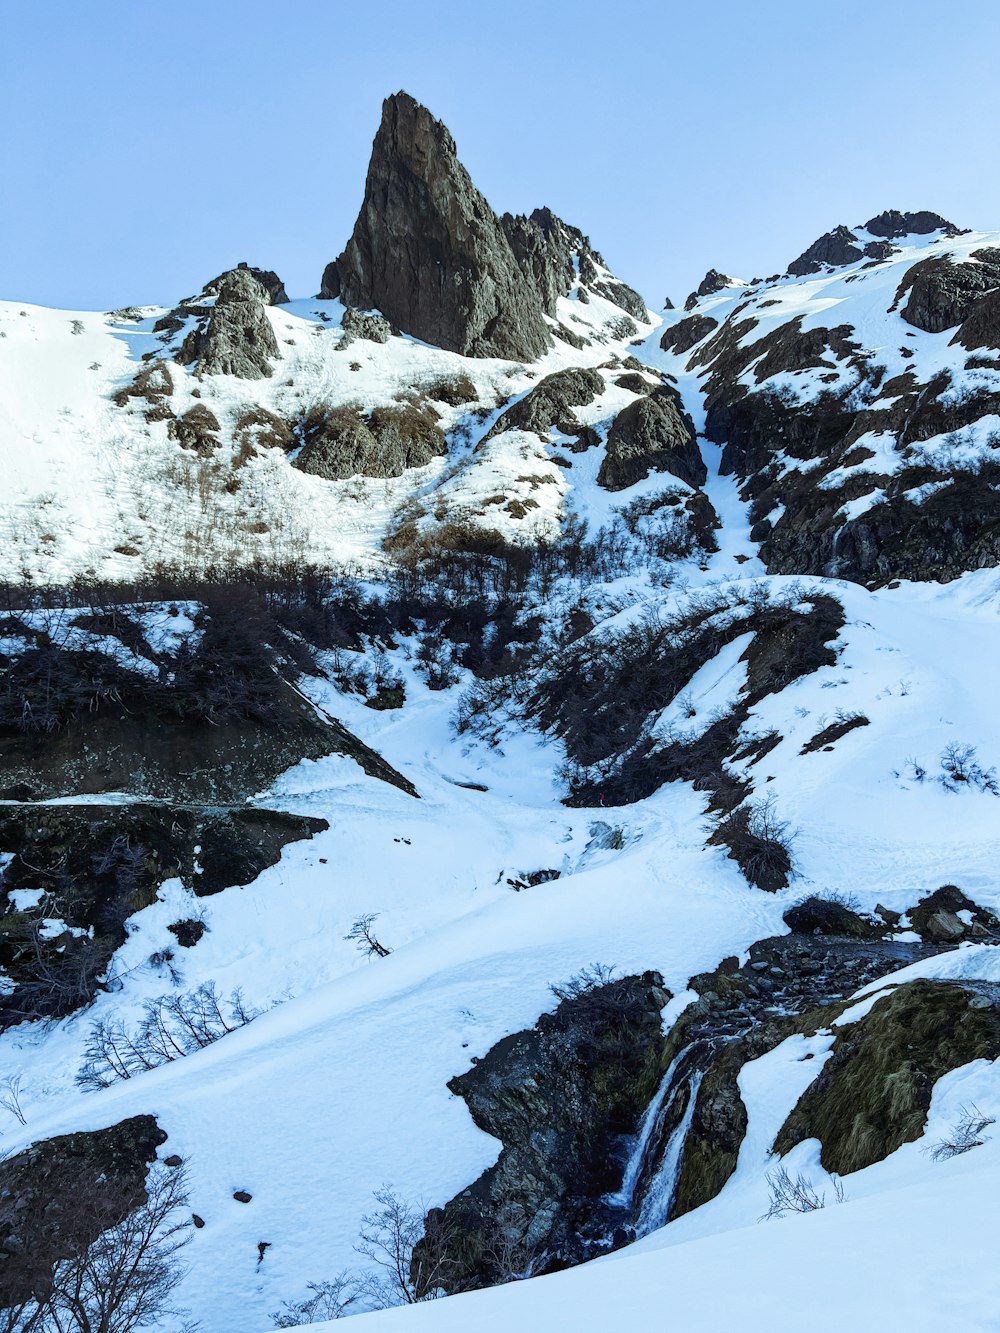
237	338
197	430
558	1097
874	1091
653	434
936	918
549	404
60	1194
892	224
428	251
100	864
943	293
879	250
837	248
371	328
681	337
342	442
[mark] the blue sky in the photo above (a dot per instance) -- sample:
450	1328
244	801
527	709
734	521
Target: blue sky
146	147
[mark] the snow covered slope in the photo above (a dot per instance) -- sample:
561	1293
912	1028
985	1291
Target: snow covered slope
681	626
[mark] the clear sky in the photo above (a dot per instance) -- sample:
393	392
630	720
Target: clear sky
147	146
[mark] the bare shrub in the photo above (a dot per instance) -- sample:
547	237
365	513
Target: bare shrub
759	842
967	1133
362	935
410	1254
960	768
331	1299
10	1097
796	1195
585	981
172	1027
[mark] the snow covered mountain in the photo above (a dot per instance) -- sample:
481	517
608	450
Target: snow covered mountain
493	778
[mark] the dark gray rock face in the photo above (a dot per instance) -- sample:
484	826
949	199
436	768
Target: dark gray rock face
651	435
558	1096
836	248
551	402
981	327
942	293
683	336
429	252
712	282
237	338
342	442
892	224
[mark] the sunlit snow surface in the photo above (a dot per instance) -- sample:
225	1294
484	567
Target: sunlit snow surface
342	1085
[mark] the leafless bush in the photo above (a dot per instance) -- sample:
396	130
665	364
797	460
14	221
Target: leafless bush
331	1299
172	1027
960	768
411	1255
796	1195
10	1097
583	982
966	1134
759	842
361	934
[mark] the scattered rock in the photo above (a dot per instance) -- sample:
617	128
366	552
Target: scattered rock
241	1196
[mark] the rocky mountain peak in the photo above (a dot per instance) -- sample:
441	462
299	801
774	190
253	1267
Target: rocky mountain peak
892	224
429	252
712	282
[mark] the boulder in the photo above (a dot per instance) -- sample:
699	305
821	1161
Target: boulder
343	442
550	404
653	434
237	338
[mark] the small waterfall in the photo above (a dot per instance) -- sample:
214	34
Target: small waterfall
659	1196
648	1126
650	1179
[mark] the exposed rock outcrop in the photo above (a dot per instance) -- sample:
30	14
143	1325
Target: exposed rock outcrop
428	251
835	248
712	282
681	337
892	224
237	338
653	434
267	278
58	1196
100	864
557	1096
344	442
942	293
550	403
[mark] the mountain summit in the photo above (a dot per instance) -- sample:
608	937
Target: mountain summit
429	252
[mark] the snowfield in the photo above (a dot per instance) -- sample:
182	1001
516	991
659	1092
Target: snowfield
340	1085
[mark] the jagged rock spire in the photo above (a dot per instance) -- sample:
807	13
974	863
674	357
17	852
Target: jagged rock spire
429	252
